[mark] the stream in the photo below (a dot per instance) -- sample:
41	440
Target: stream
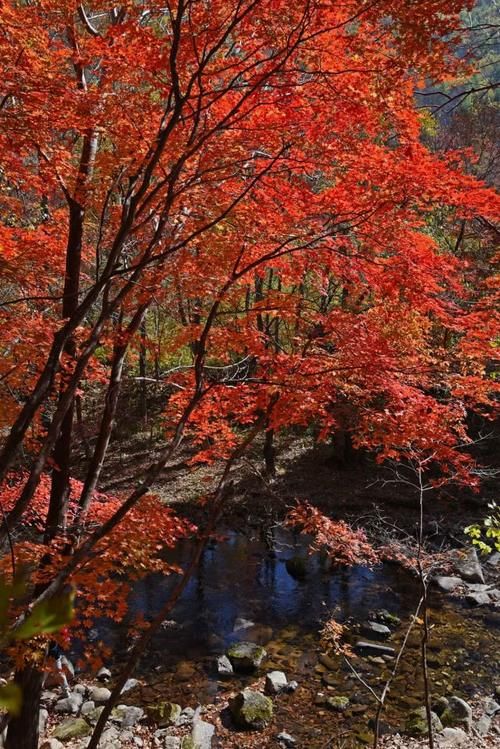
243	578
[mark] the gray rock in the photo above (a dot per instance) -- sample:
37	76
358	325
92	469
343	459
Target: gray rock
186	717
469	567
386	617
87	707
447	584
51	744
483	725
251	709
494	595
276	682
292	686
246	656
43	717
373	648
110	738
99	695
376	630
71	704
104	674
128	715
494	560
451	737
224	667
129	684
172	742
491	707
440	705
202	734
164	713
48	697
416	723
80	689
458	713
478	599
287	740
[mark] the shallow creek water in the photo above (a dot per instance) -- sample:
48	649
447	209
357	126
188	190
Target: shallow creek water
247	578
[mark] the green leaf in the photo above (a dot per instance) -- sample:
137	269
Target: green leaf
49	616
11	698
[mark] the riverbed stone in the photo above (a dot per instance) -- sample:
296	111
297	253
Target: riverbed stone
276	682
71	728
483	725
491	707
458	713
99	695
127	715
327	661
186	717
171	742
387	617
202	734
251	709
447	584
375	630
69	704
246	656
224	667
416	722
469	567
104	674
373	648
439	705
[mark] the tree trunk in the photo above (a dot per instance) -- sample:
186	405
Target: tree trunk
22	731
270	453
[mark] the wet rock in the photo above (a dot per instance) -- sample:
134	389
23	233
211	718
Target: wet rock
469	567
373	648
416	723
276	682
87	707
327	661
297	567
185	671
458	713
246	656
241	623
386	617
224	667
71	728
375	630
104	674
69	704
286	740
202	734
251	710
451	737
164	713
338	703
447	584
99	695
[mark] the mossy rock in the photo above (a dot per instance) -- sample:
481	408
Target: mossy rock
188	743
164	714
416	723
386	617
246	656
251	710
72	728
338	703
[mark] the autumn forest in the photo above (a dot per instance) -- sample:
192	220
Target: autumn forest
249	433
